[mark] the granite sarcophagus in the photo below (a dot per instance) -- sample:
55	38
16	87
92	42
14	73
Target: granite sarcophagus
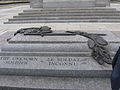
43	52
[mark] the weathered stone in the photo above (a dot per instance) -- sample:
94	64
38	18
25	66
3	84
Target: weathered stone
102	3
36	3
110	37
65	15
31	43
69	3
14	66
52	66
53	56
53	83
64	21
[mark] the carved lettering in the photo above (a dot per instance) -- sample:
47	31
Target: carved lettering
24	58
4	58
16	62
50	61
63	61
68	59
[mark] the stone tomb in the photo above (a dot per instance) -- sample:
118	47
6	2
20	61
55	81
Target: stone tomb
68	3
54	56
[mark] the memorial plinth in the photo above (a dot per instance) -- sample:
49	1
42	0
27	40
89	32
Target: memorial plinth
67	56
68	3
36	3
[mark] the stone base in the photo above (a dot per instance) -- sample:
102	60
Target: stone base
68	3
53	83
63	56
60	66
17	82
36	3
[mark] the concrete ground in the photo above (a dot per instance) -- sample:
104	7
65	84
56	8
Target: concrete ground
7	12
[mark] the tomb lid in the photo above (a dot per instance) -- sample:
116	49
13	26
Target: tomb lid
61	37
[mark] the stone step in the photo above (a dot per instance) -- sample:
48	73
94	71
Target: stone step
66	18
71	10
54	9
70	14
34	10
63	21
62	65
53	83
54	12
54	15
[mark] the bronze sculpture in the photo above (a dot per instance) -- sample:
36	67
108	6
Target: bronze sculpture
41	31
98	46
95	42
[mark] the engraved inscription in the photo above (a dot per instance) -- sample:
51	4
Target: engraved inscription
4	58
24	58
63	61
17	60
42	61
